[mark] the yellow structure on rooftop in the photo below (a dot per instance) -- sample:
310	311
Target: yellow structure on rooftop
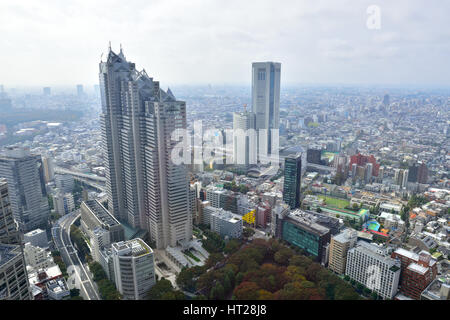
249	217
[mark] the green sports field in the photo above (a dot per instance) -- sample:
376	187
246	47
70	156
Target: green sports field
335	202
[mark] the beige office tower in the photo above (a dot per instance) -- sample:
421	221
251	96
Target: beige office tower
339	246
145	187
134	268
49	169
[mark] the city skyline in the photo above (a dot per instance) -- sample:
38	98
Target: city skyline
241	183
321	42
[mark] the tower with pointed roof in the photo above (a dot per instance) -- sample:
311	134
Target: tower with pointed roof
145	188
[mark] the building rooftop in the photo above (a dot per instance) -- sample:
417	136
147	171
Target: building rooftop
408	254
308	221
135	247
417	268
101	213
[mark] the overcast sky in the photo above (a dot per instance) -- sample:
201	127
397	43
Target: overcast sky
46	42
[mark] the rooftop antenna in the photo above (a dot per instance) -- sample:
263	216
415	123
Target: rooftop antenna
121	48
101	56
109	45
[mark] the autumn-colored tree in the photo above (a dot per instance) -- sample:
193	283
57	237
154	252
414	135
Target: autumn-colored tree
312	271
265	295
232	246
283	255
246	291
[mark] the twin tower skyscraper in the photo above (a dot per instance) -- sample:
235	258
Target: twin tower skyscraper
145	188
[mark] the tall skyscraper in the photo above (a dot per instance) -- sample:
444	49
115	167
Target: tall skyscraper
244	138
13	273
27	192
266	103
292	180
145	187
8	228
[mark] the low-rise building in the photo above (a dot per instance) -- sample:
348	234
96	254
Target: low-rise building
226	224
134	268
37	238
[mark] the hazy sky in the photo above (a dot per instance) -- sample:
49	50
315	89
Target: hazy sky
46	42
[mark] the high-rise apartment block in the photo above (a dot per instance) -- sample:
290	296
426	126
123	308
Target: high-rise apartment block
139	121
339	246
418	270
370	265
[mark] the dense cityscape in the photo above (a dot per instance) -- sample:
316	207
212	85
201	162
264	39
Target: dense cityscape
131	190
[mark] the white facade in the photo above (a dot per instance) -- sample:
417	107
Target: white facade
99	240
244	138
37	257
134	268
63	203
371	266
226	224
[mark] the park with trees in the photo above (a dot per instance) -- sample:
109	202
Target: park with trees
264	269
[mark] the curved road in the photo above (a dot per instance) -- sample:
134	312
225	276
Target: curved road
61	237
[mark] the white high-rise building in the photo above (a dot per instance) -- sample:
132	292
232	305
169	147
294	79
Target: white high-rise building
134	268
371	265
266	104
244	138
145	187
25	176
